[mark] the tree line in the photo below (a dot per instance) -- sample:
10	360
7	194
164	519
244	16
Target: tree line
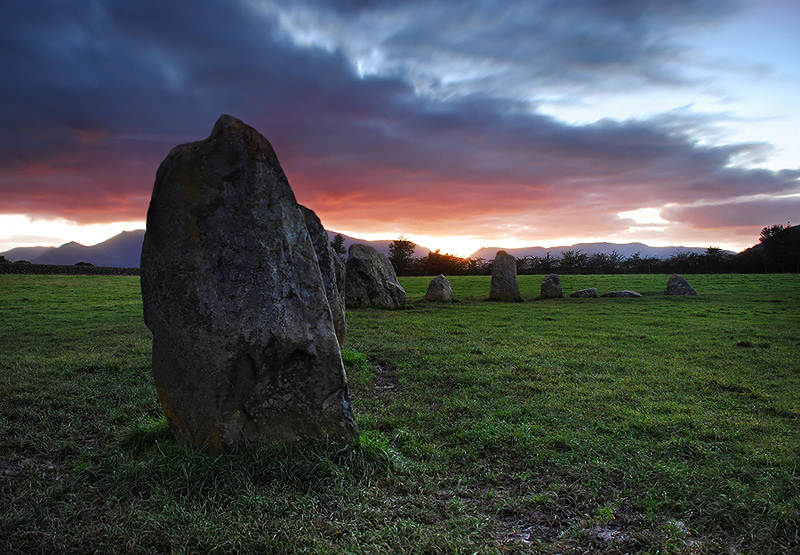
777	251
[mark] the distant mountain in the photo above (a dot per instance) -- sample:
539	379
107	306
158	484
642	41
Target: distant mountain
624	249
124	251
121	251
25	253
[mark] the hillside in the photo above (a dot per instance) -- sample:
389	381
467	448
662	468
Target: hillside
124	251
779	253
121	251
25	253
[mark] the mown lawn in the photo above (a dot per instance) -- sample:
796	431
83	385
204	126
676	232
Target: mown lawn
651	425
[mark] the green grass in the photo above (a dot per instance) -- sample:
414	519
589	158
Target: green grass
651	425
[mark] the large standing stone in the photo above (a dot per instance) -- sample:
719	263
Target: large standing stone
332	268
244	346
551	287
677	285
371	280
439	289
504	286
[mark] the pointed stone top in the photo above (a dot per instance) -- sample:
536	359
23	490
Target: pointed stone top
226	123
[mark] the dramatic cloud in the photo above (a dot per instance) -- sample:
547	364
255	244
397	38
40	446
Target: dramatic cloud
426	118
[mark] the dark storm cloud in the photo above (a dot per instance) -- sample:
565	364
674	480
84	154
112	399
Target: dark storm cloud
595	44
97	93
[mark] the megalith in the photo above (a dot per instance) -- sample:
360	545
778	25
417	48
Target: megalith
622	293
678	285
504	286
590	293
332	269
244	343
371	279
439	289
551	287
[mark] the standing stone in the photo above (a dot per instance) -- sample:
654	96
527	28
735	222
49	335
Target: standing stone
677	285
244	346
590	293
551	287
504	286
439	289
371	280
623	293
332	269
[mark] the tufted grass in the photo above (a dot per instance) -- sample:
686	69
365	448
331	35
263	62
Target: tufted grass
651	425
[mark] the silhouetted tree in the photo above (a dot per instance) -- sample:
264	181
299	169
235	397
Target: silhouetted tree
400	252
771	231
572	262
716	260
479	266
436	263
338	245
544	264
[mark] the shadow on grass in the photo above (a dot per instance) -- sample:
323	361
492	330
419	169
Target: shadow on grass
150	456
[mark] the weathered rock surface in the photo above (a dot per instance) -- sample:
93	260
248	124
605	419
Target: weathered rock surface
244	345
590	293
678	285
551	287
504	286
623	293
332	269
371	280
439	289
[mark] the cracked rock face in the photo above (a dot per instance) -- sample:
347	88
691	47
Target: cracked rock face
333	271
678	285
371	280
244	339
551	287
439	289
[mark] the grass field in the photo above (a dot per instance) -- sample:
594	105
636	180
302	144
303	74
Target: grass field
651	425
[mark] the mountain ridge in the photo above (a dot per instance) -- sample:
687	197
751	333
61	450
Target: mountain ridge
624	249
124	250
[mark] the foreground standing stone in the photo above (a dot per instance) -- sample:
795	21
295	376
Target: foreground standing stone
371	280
678	285
551	287
244	346
504	286
439	289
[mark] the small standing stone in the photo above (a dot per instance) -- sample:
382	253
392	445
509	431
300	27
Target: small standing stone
504	286
590	293
623	293
551	287
439	289
678	285
371	280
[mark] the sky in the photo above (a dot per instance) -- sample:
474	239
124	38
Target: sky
458	125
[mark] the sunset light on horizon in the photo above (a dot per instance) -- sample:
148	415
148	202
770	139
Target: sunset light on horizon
456	125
